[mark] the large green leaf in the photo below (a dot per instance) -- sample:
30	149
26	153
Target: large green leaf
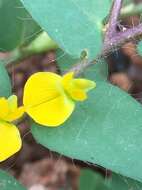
16	25
5	84
30	28
105	130
74	24
7	182
11	26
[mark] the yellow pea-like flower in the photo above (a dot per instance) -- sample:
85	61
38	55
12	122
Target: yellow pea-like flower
9	110
10	140
50	98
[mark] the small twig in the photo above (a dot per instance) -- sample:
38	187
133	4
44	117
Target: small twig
81	66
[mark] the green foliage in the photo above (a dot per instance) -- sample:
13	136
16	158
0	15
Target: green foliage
97	72
75	25
11	29
30	28
118	182
42	43
5	83
64	61
7	182
104	130
139	48
16	27
92	180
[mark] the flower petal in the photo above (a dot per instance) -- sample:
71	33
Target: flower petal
67	78
77	88
4	108
52	113
45	100
8	109
15	115
10	140
78	95
84	84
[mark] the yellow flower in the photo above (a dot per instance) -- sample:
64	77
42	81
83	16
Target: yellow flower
9	110
50	98
10	140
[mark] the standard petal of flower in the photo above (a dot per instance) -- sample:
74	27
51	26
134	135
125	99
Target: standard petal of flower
4	108
10	140
66	79
52	113
45	100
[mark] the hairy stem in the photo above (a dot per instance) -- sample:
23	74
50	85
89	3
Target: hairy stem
112	24
122	37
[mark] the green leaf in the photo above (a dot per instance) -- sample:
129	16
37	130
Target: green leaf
75	24
105	130
17	28
65	61
11	28
97	72
30	28
118	182
5	84
7	182
90	180
42	43
139	48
